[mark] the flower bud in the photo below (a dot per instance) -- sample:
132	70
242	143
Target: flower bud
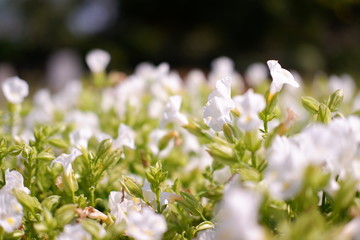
324	114
131	187
335	99
310	104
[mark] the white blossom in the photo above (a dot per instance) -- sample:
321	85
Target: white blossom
172	113
66	160
249	106
121	205
80	137
15	89
14	180
217	109
280	77
97	60
146	225
238	216
256	74
74	231
11	212
126	137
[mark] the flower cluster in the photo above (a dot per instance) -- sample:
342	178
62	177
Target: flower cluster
151	156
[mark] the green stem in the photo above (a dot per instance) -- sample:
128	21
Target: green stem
92	196
2	233
253	159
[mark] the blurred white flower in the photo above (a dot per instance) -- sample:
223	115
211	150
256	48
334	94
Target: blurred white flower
11	212
208	234
74	231
351	230
238	216
154	137
172	113
224	67
97	60
217	109
80	137
66	160
280	77
121	205
222	175
249	106
14	180
146	225
15	89
256	74
344	82
126	137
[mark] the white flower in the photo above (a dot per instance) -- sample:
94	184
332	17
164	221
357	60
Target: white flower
165	197
208	234
15	89
256	74
222	175
126	137
146	225
67	159
224	67
344	82
238	216
351	230
121	205
286	165
280	77
217	109
154	137
75	231
249	105
97	60
11	212
14	180
172	113
80	137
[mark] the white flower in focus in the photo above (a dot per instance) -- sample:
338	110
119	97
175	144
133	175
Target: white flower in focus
172	113
126	137
11	212
14	180
74	231
280	77
97	60
217	109
146	225
15	89
121	205
249	105
66	160
238	216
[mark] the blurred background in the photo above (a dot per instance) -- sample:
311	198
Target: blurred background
47	39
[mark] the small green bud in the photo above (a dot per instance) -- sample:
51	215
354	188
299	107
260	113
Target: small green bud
31	203
131	187
58	142
310	104
65	214
191	204
45	156
229	133
252	142
93	228
222	153
70	183
50	202
203	226
15	150
324	114
335	99
104	147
